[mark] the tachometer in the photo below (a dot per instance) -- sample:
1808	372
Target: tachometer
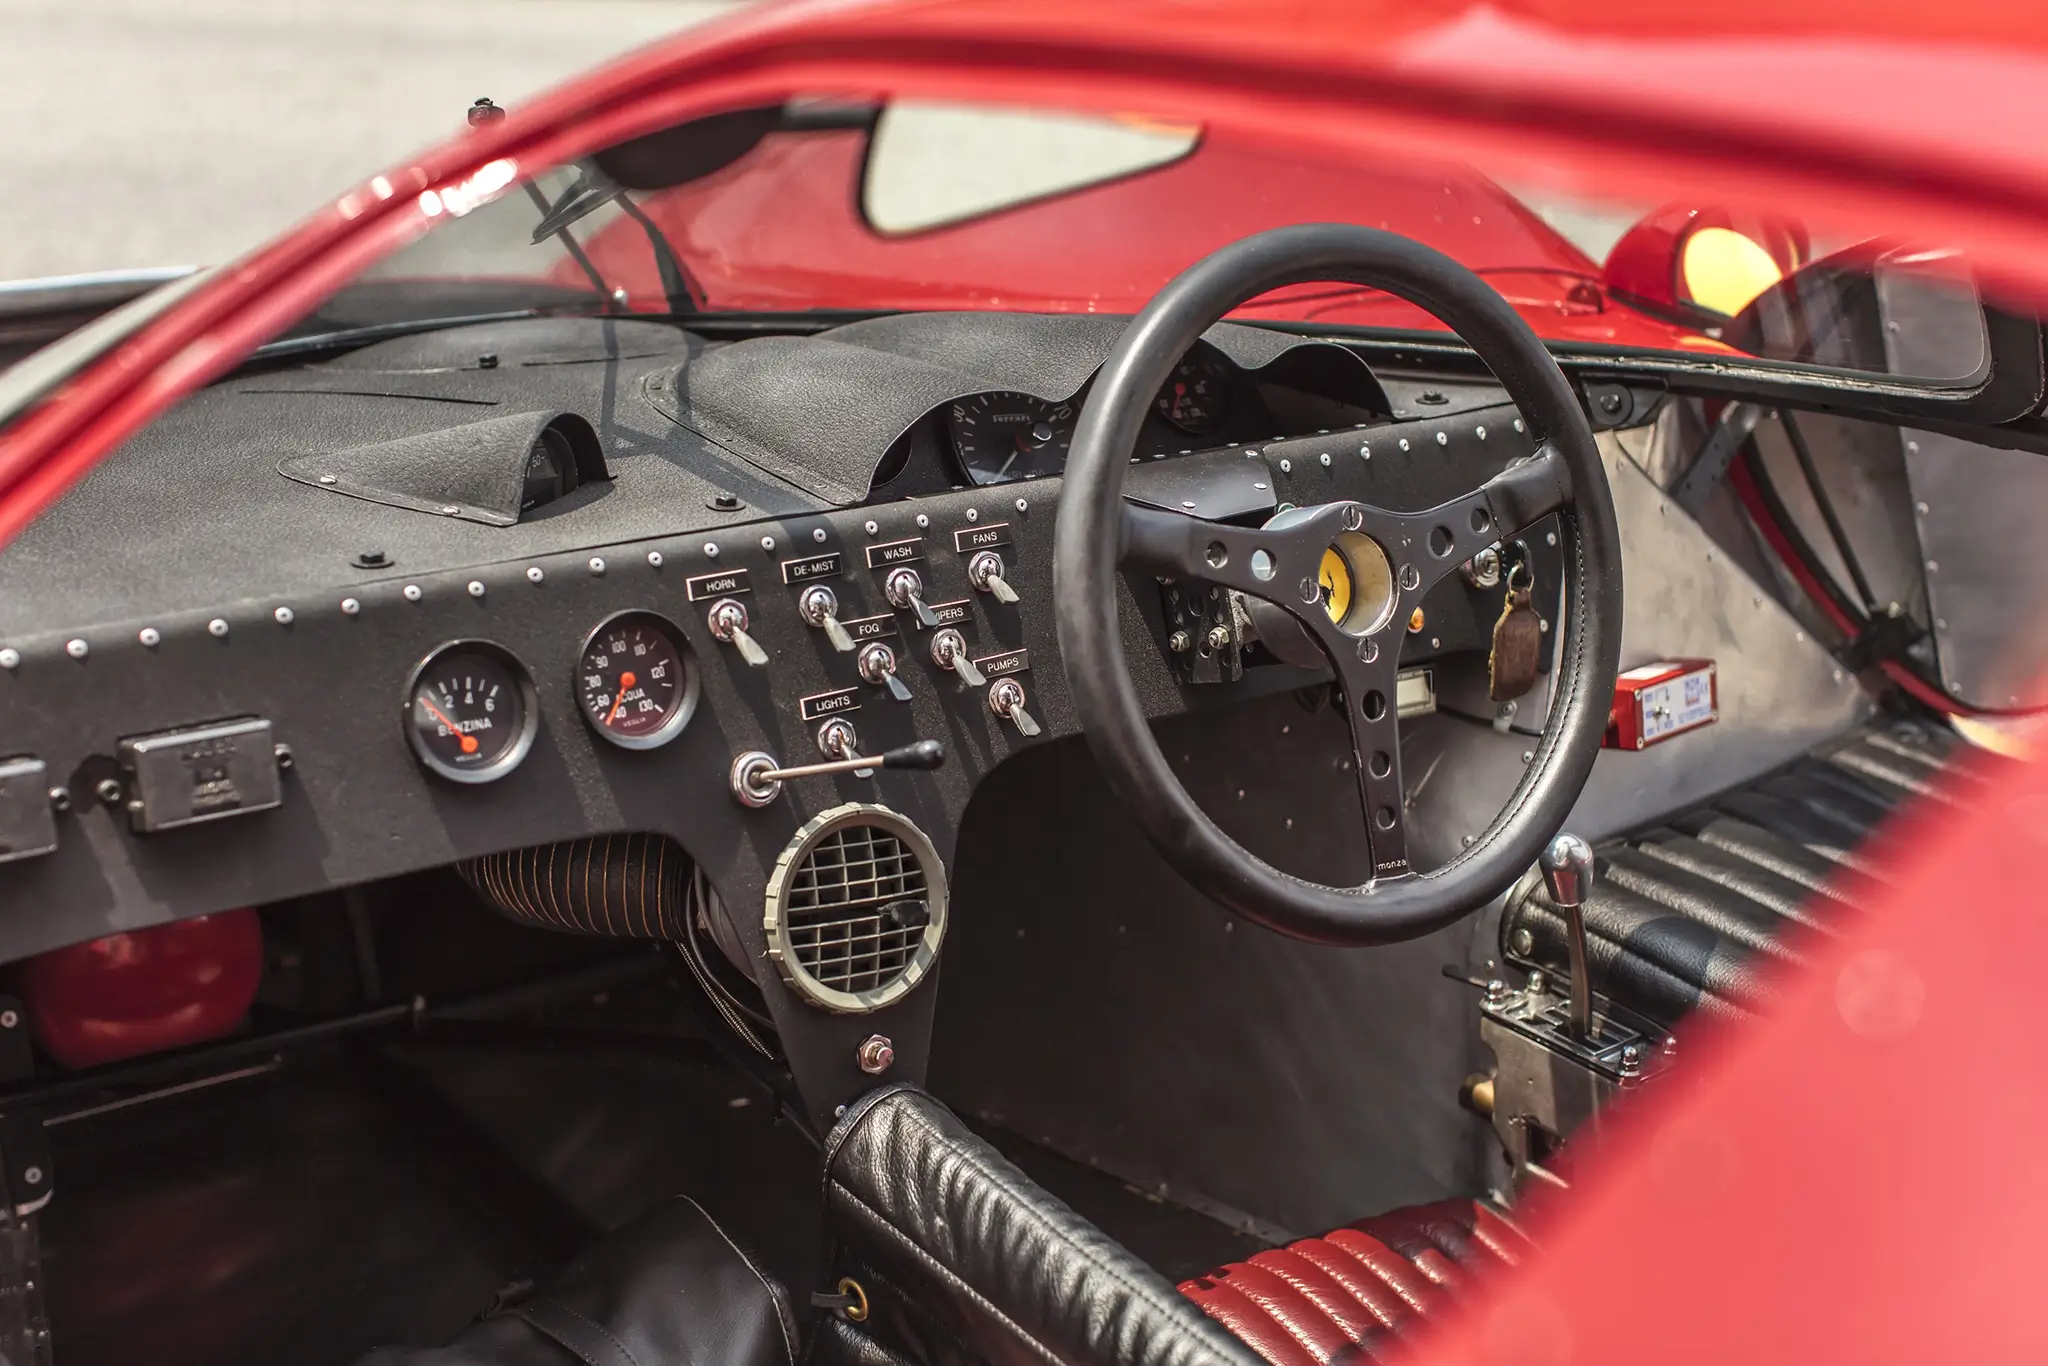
634	681
1193	397
1003	436
471	711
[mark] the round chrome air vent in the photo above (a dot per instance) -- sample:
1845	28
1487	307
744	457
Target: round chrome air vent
856	909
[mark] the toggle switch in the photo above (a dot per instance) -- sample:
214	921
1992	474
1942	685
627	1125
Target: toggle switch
728	622
985	571
821	609
949	651
837	740
905	591
1006	699
877	664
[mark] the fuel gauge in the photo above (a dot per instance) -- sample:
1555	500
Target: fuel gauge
471	711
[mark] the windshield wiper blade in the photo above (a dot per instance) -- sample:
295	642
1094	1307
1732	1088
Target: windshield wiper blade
591	191
376	332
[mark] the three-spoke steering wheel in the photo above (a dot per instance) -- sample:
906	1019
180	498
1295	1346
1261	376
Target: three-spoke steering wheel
1281	563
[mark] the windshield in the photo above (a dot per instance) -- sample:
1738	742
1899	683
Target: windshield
829	208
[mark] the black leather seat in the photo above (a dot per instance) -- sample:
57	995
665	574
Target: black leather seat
1687	915
961	1258
668	1290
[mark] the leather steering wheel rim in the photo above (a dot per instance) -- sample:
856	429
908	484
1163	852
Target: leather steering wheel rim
1098	532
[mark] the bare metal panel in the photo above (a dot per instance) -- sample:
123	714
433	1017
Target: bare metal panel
1094	1002
1980	514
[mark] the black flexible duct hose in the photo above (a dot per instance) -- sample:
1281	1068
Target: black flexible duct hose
631	886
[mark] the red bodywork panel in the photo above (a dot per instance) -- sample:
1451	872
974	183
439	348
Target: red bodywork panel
784	228
143	991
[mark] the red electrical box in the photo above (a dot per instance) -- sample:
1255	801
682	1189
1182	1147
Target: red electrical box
1657	701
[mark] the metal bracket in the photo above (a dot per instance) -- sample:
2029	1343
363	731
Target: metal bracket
1710	467
1548	1082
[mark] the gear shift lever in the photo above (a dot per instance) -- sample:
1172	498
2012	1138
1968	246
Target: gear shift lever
1567	865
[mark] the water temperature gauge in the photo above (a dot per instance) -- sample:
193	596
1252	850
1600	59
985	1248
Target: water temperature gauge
635	682
471	711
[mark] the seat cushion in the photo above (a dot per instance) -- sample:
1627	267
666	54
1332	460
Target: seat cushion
1333	1299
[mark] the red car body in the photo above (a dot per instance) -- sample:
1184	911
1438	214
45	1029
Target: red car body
1878	1202
785	228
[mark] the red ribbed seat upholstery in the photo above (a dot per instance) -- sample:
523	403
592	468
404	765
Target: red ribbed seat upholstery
1334	1299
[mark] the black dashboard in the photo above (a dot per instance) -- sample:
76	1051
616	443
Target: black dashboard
255	655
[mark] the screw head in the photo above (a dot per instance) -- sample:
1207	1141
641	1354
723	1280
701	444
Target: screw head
449	509
597	564
33	1176
767	543
534	573
1218	637
217	628
654	559
349	607
871	526
1023	505
1180	642
710	550
283	616
877	1054
476	588
1496	991
1523	943
60	799
9	1019
818	535
973	515
108	790
10	658
923	521
77	648
150	637
412	592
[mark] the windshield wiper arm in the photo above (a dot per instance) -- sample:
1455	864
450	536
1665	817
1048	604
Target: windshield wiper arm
591	191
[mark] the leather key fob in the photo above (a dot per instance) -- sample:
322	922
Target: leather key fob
1517	646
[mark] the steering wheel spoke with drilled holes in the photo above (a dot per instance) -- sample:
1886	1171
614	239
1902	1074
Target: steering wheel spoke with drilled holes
1387	562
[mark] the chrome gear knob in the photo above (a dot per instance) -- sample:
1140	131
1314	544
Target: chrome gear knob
1567	865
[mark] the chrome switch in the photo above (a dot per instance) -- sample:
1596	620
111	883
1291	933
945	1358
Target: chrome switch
837	740
728	622
949	651
821	609
985	571
905	591
877	664
1006	699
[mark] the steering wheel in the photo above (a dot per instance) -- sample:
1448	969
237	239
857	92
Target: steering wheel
1280	563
